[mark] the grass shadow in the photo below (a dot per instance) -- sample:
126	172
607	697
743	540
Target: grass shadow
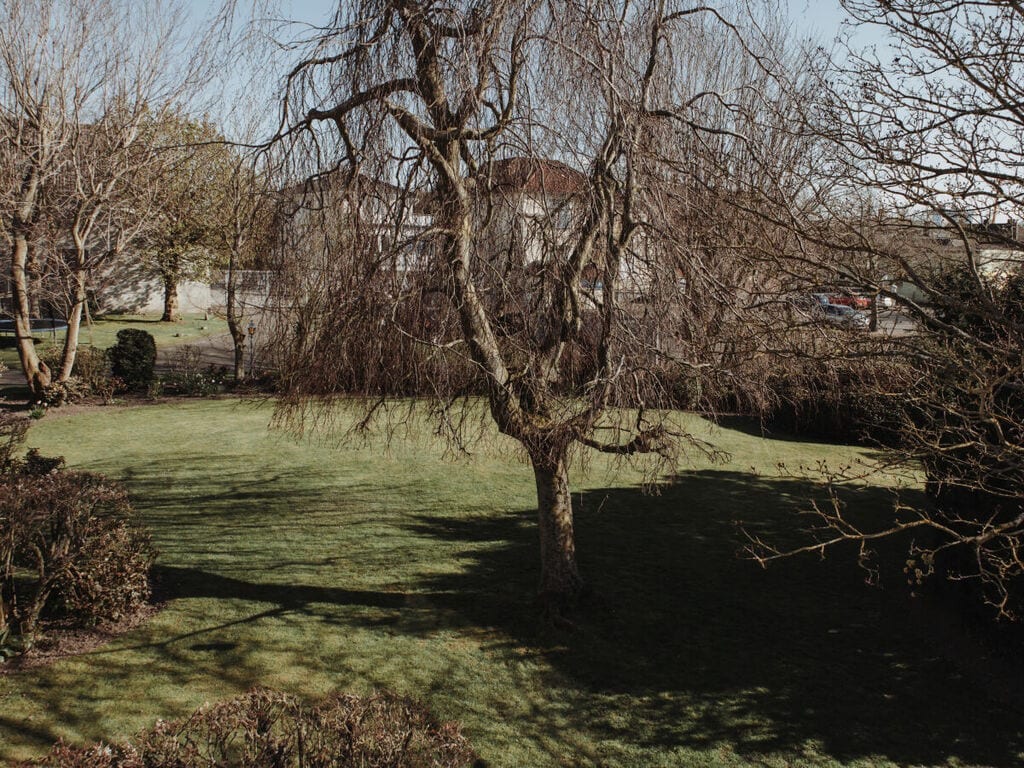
755	427
689	645
328	573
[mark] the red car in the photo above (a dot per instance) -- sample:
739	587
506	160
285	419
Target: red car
850	300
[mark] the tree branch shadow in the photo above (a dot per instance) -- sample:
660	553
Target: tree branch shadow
690	645
686	646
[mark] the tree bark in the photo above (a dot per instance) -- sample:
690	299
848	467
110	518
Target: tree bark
235	320
74	326
33	281
37	373
238	337
170	298
560	583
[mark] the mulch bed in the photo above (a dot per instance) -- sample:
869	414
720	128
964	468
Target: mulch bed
59	641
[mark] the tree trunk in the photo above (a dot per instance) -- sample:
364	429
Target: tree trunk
238	341
33	281
74	325
560	583
235	321
37	374
170	298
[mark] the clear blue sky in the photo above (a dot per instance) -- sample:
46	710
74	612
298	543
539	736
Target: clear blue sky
809	18
820	17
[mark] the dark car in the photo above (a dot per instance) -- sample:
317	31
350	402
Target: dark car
844	316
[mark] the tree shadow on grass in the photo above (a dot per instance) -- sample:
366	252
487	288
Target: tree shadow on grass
686	646
689	645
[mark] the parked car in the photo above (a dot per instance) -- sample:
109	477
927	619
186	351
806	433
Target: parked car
820	298
848	299
845	316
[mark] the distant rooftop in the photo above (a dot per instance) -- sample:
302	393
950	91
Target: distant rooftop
533	176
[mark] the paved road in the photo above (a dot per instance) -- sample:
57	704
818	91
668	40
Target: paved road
894	323
216	350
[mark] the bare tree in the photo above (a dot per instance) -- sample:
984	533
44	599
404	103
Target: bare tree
78	80
92	205
42	55
246	234
505	189
920	181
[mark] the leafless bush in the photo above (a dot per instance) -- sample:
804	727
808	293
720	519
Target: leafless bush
69	546
12	434
265	729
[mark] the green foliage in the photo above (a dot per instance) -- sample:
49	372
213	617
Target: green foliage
266	729
133	358
190	207
69	547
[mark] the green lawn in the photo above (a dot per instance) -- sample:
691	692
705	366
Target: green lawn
311	568
102	333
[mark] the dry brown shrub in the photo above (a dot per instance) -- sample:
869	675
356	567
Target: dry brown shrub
267	729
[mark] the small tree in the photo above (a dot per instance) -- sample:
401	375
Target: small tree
191	184
244	237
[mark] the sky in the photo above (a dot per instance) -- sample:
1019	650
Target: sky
819	17
809	18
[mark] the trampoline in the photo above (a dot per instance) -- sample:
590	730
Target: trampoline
44	324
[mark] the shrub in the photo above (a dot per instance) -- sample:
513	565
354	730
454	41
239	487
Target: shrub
69	547
860	401
92	367
35	463
73	390
133	358
12	435
188	376
265	729
89	376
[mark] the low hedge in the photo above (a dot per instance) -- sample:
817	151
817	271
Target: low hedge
267	729
71	547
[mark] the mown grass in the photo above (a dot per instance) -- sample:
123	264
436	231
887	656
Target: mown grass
310	568
102	333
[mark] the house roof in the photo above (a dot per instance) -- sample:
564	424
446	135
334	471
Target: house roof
533	176
341	180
